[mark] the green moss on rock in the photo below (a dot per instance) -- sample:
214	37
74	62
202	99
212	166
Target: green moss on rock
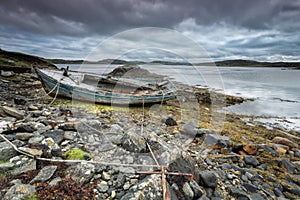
77	154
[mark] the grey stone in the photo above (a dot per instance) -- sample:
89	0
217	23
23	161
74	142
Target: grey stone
6	151
292	188
126	186
249	176
209	178
106	176
121	178
190	129
32	107
186	164
24	136
13	112
6	166
187	191
204	197
170	121
45	174
115	128
250	160
36	113
244	178
198	192
56	135
20	100
51	147
230	175
19	192
290	168
102	186
134	143
25	167
249	187
278	193
81	173
70	135
237	193
215	139
34	152
7	73
297	153
115	137
257	196
55	181
272	150
36	141
19	143
175	187
149	188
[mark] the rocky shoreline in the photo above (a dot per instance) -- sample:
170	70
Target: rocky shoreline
68	151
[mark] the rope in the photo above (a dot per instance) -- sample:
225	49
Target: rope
47	94
162	101
55	95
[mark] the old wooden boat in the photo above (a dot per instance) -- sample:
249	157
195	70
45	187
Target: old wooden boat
105	89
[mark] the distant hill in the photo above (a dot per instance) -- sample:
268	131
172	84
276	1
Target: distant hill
20	60
105	61
15	59
252	63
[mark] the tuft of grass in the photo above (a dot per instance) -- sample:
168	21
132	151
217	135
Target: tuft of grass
77	154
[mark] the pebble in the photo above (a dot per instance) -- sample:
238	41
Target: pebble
209	178
24	136
102	186
35	141
187	190
105	176
54	181
34	152
198	191
250	160
126	186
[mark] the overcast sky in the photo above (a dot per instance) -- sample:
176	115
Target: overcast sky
265	30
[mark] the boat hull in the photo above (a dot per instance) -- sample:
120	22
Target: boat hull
98	96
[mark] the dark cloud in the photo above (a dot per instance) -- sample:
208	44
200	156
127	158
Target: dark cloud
79	17
220	26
